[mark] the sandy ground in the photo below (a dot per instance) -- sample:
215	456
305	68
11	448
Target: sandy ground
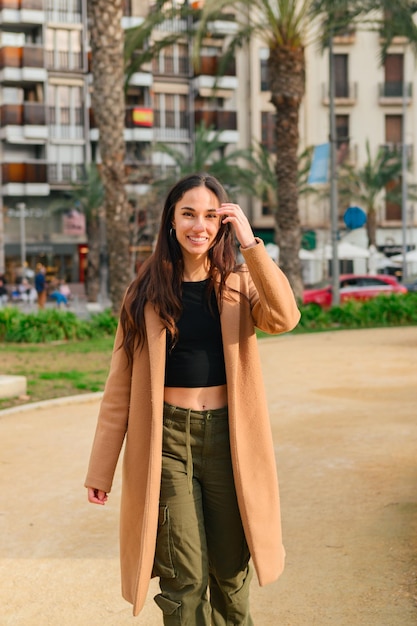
344	417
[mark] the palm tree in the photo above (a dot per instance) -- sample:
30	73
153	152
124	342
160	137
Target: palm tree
283	25
263	167
107	46
381	173
209	155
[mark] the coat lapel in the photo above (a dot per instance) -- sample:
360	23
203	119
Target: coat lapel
156	337
230	325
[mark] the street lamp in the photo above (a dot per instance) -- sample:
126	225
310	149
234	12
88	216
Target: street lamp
21	206
333	179
404	178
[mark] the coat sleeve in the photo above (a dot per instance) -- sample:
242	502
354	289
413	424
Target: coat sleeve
273	306
112	420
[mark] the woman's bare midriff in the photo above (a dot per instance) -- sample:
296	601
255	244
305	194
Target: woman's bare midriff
197	398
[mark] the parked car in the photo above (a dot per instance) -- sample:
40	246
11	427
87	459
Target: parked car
354	287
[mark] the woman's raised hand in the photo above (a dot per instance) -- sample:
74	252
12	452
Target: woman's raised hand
233	214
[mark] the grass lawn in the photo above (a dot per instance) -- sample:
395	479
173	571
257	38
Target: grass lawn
56	370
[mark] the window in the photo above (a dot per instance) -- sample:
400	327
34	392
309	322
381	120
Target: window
63	49
341	75
342	138
393	141
171	111
393	131
66	111
172	60
394	75
263	59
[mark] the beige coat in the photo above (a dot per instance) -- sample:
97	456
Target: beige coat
131	410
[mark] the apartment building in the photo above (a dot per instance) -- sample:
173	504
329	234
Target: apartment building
44	132
48	133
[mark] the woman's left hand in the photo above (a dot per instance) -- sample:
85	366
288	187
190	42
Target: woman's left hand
232	213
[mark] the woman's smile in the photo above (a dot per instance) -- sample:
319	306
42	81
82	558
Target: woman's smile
195	221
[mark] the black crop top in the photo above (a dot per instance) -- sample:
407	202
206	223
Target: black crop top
197	358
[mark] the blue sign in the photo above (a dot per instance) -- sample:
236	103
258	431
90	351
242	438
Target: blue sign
319	170
354	217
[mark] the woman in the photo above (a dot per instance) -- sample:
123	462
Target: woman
200	492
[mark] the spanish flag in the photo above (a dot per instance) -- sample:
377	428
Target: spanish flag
142	117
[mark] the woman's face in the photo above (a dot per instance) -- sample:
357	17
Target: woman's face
196	222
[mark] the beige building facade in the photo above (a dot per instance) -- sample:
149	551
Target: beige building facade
48	135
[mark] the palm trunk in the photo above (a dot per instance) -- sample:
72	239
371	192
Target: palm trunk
287	84
371	226
107	39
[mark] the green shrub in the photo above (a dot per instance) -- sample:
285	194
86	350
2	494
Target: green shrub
56	325
385	310
42	326
104	323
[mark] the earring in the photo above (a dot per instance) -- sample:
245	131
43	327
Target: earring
172	232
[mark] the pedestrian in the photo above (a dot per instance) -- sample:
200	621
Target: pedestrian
185	392
40	285
4	294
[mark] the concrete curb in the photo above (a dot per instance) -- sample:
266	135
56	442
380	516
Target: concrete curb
33	406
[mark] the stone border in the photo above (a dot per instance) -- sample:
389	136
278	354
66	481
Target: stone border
32	406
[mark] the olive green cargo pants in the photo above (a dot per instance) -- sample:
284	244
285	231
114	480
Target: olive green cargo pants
201	558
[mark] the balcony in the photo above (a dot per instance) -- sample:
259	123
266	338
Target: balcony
171	125
225	24
64	60
22	64
396	150
392	93
22	12
65	174
139	123
25	178
30	5
346	37
64	12
171	66
219	119
24	122
28	113
139	173
346	94
210	65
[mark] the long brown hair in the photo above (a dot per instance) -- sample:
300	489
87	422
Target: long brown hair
159	280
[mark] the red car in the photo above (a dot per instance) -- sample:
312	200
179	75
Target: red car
354	287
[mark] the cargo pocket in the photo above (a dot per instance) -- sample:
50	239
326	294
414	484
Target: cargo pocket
163	564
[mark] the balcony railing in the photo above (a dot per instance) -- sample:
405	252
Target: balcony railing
66	116
395	89
66	173
221	120
171	119
396	149
64	60
26	56
210	65
346	92
24	172
32	5
28	113
135	117
171	66
64	11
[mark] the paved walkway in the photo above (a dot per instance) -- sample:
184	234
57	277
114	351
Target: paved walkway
344	418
